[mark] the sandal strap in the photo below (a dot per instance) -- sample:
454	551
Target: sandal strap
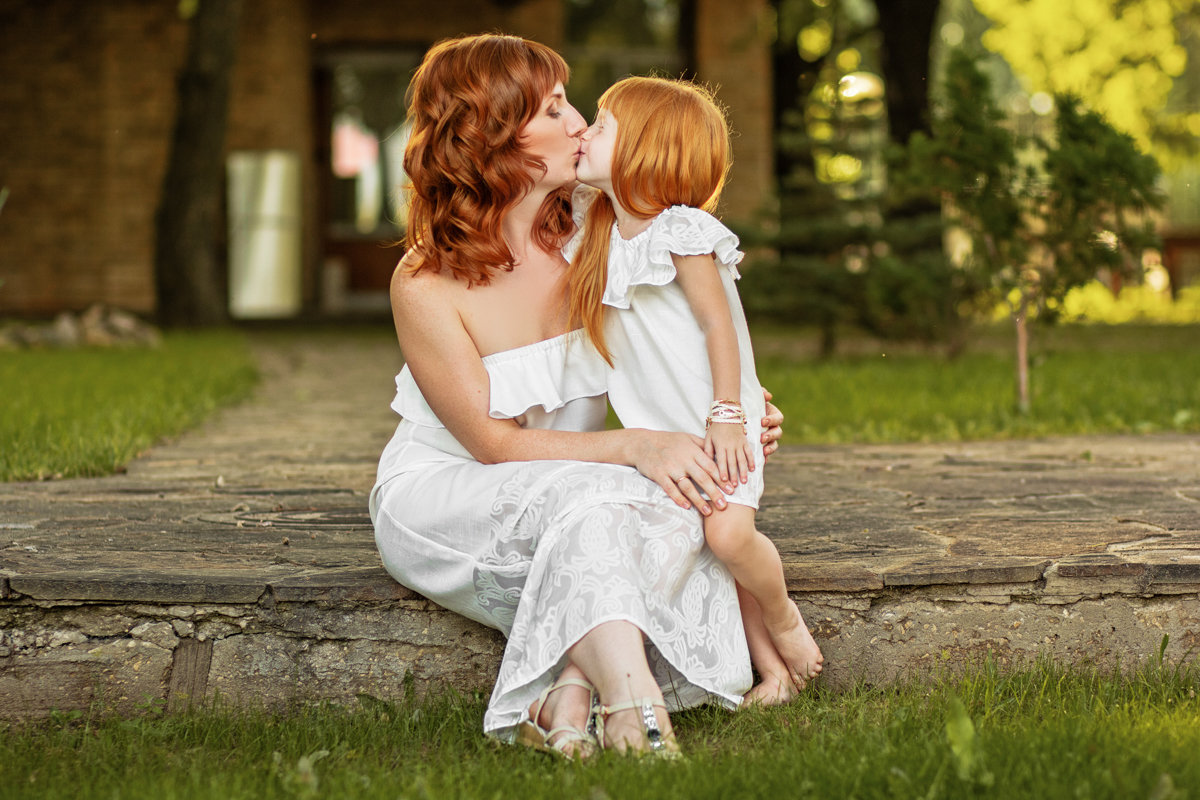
554	687
563	735
640	702
571	682
654	734
558	738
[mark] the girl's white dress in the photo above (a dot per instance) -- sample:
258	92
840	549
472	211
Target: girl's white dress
660	377
546	550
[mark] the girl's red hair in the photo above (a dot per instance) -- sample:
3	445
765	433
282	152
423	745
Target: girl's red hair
467	104
672	149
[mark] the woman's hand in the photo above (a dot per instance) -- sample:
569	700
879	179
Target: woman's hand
772	426
677	462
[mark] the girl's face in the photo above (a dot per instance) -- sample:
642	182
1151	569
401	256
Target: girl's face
595	160
552	137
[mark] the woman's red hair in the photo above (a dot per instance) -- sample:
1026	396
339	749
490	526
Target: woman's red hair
467	104
672	149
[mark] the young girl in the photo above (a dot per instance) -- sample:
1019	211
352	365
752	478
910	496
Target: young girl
675	332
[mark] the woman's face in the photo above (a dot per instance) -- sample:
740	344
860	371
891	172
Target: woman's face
553	138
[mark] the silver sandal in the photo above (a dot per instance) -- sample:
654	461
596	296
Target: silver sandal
661	745
557	740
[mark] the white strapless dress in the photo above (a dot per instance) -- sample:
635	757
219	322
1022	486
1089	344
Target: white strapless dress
545	551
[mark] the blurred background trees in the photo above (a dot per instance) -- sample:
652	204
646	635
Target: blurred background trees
858	244
1037	215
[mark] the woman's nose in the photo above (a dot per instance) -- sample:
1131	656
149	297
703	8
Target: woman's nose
576	124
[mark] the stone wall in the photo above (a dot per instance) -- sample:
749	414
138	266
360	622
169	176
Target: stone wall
300	644
85	87
284	647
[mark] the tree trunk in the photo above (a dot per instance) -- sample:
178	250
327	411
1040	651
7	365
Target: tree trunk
907	30
1021	321
188	266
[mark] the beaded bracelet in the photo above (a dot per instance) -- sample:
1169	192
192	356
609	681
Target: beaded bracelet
726	412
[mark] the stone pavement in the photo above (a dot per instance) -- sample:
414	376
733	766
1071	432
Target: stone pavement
238	561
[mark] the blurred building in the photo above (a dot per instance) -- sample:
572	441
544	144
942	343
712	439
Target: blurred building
315	133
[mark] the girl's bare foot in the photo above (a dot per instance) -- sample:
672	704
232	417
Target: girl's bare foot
772	690
797	648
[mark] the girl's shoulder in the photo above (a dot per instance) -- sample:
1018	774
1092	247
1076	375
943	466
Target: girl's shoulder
688	231
687	214
646	260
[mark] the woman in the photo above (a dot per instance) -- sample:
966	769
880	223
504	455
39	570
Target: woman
483	502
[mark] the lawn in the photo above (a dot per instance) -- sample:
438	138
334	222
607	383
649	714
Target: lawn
82	412
1084	379
67	413
1032	731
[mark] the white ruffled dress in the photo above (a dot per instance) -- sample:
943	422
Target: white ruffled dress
546	550
661	377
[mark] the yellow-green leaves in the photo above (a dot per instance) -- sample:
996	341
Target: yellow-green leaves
1118	58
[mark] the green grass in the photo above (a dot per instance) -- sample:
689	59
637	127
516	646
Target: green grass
87	412
1084	379
68	413
1035	731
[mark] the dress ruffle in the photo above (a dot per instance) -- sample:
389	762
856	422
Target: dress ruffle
534	375
646	258
550	373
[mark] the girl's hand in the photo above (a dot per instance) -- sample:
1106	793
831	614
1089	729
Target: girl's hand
772	426
726	443
677	462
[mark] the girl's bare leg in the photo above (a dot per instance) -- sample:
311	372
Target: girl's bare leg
774	685
613	657
756	566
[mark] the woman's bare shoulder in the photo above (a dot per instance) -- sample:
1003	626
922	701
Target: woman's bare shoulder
411	283
423	295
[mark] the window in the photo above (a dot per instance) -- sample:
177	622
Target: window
366	135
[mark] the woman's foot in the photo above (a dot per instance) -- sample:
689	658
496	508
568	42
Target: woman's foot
640	726
558	719
797	648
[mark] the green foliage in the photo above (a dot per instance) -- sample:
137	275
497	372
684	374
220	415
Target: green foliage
1098	188
852	250
966	746
69	413
1026	730
1096	303
970	162
1041	217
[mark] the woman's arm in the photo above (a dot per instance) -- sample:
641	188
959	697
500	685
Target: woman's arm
447	367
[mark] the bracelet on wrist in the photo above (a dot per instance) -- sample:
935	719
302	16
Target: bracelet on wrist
726	412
